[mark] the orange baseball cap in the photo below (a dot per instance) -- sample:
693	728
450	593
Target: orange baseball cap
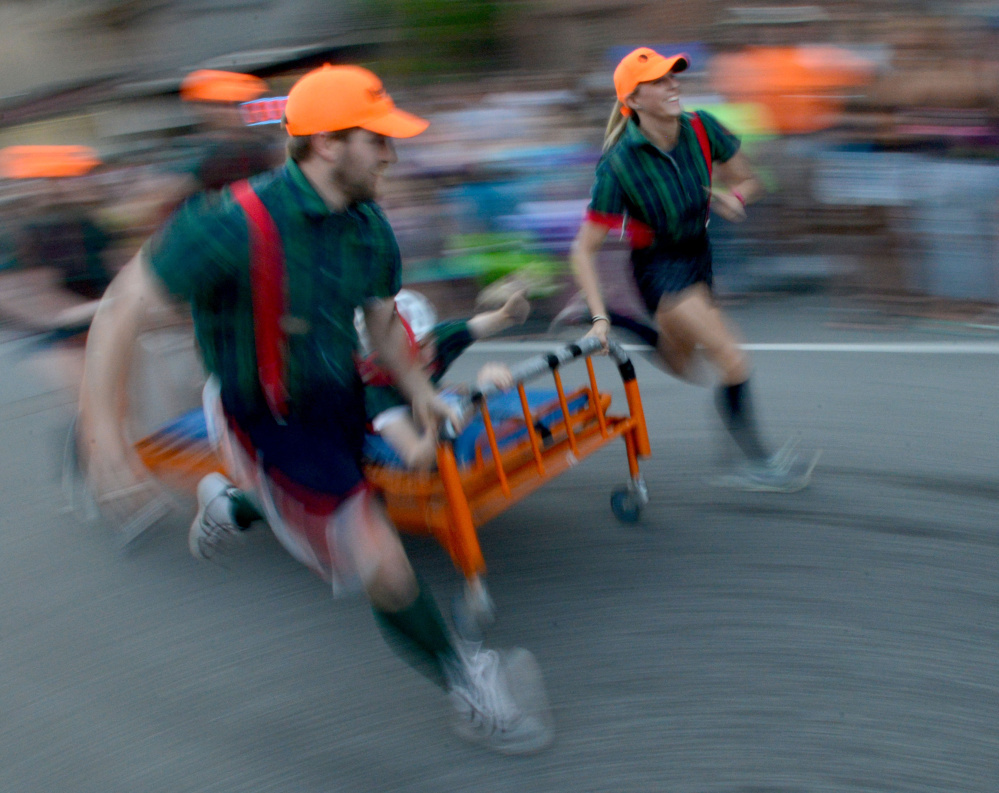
332	98
641	66
209	85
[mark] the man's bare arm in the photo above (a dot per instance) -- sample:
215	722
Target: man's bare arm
418	449
390	342
132	304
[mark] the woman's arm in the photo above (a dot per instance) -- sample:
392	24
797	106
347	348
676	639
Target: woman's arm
742	187
583	256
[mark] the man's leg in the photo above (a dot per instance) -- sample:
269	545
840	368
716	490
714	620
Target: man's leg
356	546
224	510
405	611
480	684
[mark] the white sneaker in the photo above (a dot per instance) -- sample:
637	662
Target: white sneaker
488	711
784	472
214	527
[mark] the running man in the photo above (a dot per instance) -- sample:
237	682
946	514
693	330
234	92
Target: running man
288	400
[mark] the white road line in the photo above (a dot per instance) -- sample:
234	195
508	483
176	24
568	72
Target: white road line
898	348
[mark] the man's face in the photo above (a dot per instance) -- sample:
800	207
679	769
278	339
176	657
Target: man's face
365	156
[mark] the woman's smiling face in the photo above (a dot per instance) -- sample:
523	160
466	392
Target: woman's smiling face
658	98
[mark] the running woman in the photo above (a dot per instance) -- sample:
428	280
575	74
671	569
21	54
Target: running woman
654	186
288	401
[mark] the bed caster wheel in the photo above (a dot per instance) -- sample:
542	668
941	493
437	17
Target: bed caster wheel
472	611
626	505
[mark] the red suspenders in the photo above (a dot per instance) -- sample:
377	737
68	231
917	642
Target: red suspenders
269	304
702	138
268	285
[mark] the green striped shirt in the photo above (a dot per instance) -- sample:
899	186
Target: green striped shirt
663	190
334	261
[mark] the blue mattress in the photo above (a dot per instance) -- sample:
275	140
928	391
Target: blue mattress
507	417
187	428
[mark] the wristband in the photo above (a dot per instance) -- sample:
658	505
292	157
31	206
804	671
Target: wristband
738	195
597	317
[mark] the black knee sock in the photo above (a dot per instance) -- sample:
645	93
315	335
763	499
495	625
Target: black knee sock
420	636
244	511
736	411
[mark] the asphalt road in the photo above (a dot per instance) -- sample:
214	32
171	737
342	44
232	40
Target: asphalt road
839	639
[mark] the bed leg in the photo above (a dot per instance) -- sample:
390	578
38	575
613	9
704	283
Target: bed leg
629	445
462	542
639	488
473	610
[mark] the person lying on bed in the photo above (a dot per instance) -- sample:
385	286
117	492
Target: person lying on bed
438	344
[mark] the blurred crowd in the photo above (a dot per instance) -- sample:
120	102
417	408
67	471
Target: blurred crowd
69	221
878	148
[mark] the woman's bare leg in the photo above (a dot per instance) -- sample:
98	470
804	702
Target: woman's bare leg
691	321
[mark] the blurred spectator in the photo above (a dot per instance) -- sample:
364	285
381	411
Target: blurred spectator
55	267
222	149
802	87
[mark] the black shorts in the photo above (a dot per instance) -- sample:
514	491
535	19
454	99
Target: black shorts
669	270
319	450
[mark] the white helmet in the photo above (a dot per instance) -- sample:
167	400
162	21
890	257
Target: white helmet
418	312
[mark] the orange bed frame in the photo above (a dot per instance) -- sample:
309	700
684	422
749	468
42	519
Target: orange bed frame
451	503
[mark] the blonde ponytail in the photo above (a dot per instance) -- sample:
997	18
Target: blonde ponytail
615	126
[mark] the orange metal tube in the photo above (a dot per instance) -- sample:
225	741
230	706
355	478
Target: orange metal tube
595	397
642	446
529	420
629	445
464	542
565	412
491	435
